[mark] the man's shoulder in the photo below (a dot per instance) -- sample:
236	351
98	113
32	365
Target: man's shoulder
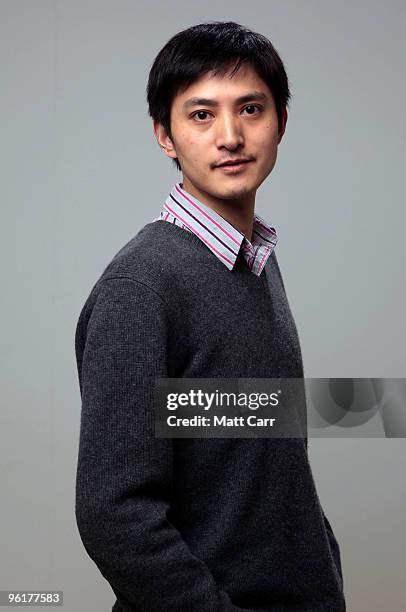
143	266
151	257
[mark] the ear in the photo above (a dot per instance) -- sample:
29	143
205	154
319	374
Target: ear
163	140
283	123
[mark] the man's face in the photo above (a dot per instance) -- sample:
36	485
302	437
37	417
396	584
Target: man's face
211	124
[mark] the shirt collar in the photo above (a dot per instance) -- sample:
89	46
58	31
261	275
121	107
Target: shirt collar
220	236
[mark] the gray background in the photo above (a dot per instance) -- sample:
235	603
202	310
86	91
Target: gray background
81	173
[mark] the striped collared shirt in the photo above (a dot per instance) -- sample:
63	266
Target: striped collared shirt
220	236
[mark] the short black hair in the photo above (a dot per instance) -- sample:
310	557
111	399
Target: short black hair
212	47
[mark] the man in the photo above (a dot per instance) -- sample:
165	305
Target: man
200	525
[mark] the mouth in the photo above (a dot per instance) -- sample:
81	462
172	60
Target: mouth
233	168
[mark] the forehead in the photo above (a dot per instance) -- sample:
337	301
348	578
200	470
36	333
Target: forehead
222	87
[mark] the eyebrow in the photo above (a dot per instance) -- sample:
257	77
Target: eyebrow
248	97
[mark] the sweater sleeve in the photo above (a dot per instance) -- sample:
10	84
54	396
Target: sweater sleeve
335	549
124	473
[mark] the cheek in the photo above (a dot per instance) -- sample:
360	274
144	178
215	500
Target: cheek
268	134
266	140
195	149
189	142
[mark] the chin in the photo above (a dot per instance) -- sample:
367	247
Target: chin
233	194
235	188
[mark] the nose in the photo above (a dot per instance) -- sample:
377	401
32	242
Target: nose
229	132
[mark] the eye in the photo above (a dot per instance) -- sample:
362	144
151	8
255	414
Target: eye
198	114
253	106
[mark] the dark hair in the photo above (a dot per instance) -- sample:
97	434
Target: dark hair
212	47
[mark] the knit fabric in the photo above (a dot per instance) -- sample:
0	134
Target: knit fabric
193	525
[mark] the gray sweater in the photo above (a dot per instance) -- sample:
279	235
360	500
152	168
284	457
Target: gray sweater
193	525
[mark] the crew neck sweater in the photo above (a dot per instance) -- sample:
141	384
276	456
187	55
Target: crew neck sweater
193	525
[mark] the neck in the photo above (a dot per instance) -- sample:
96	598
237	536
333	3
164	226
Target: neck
237	211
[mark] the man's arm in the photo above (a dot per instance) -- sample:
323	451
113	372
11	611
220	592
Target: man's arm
124	473
335	550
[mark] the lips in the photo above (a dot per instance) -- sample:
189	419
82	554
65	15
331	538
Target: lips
234	169
235	162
